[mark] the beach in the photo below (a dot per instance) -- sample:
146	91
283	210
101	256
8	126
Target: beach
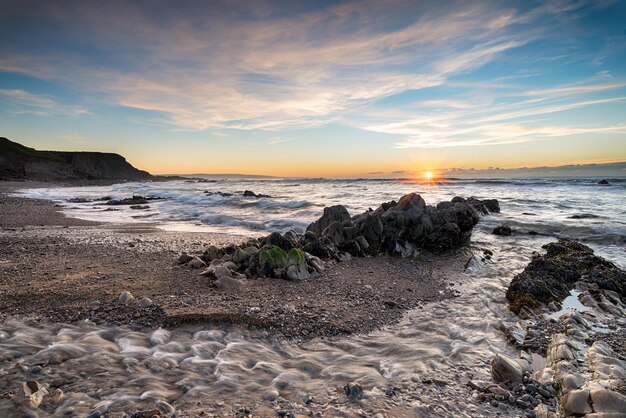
416	335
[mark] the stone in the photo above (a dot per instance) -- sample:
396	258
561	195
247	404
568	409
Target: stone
144	303
57	396
211	253
331	214
502	230
606	400
228	283
196	263
270	395
297	266
604	182
277	240
504	369
576	402
184	258
31	394
271	258
222	271
552	276
165	408
126	297
354	391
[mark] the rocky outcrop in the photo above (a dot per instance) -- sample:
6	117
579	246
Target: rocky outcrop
18	162
552	276
400	228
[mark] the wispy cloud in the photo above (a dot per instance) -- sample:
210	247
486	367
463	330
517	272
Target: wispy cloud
280	140
274	66
273	73
22	102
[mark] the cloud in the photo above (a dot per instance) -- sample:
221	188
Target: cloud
23	102
280	140
272	69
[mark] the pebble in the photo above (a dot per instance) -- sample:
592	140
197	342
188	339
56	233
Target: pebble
270	395
144	302
126	297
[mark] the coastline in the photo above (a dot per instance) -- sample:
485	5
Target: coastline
62	269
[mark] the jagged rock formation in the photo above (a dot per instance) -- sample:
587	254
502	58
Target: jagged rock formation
551	277
398	228
18	162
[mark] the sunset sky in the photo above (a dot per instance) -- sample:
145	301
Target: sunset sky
317	88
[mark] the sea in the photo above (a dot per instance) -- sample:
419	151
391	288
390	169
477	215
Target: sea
448	339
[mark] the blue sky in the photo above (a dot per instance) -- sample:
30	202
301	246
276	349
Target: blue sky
318	88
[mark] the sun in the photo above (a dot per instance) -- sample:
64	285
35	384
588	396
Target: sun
428	175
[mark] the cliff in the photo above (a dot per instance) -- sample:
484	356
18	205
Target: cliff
18	162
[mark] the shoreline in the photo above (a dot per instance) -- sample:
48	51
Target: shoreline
70	270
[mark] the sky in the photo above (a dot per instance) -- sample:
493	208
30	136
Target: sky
318	88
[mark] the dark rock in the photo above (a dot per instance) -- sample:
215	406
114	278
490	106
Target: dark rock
154	413
279	240
249	193
583	216
318	245
140	207
354	391
551	277
604	182
331	214
222	194
79	200
135	200
502	230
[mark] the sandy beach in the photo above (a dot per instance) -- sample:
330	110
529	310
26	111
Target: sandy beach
61	269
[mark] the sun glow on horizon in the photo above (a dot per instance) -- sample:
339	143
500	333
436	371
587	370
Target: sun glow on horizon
428	175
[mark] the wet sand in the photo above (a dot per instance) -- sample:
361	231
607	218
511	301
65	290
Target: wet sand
60	269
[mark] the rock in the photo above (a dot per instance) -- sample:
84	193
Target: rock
278	240
604	182
222	271
242	255
297	265
135	200
249	193
211	253
270	395
196	263
335	232
229	283
583	216
165	408
144	303
271	258
576	402
504	369
502	230
140	207
318	245
126	297
184	258
57	396
606	400
354	391
333	213
154	413
31	394
552	276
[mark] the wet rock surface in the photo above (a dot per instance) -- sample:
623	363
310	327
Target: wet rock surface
574	301
552	276
402	228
